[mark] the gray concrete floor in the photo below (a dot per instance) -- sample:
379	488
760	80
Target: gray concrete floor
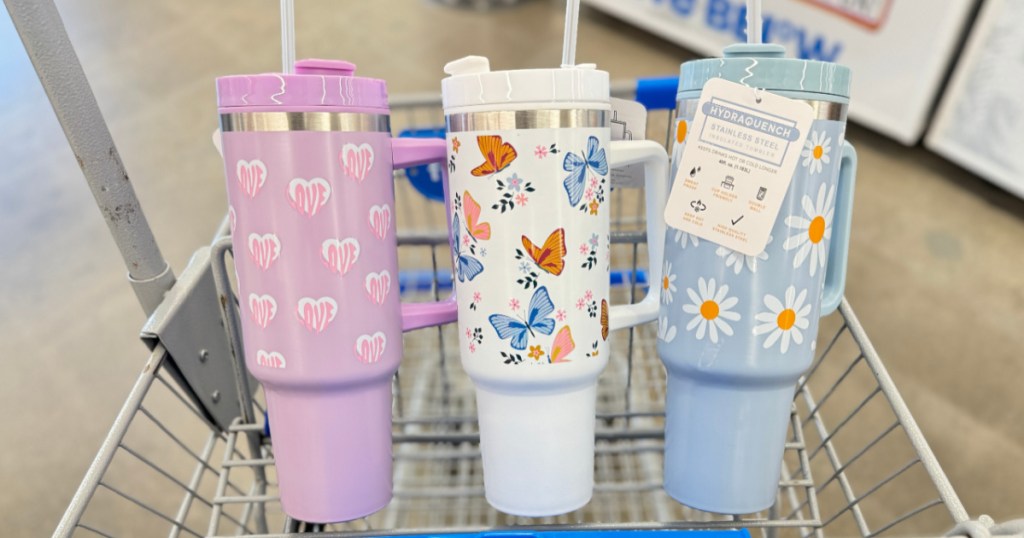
935	261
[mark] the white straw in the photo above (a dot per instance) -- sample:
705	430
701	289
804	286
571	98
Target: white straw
572	22
287	36
754	29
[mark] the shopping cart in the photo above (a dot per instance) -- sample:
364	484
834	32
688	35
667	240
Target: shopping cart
190	454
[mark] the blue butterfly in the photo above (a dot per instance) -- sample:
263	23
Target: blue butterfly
577	167
537	320
466	266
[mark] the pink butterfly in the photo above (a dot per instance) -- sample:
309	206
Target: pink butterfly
562	346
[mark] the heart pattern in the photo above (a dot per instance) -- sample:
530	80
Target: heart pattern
271	359
264	249
370	347
339	255
378	285
251	176
262	308
231	219
380	220
308	196
316	314
356	161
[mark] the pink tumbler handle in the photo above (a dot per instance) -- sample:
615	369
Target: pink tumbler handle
408	152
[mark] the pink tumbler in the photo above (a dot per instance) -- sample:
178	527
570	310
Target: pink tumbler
309	160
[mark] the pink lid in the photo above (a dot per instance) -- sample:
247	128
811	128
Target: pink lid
316	83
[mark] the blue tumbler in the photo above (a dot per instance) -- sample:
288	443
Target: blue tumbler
736	332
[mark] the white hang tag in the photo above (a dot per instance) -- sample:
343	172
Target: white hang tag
740	155
629	122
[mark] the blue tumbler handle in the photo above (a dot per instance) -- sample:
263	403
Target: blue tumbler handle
835	275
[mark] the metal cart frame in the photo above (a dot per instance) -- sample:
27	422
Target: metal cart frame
223	473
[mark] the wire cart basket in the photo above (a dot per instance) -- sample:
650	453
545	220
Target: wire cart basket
189	452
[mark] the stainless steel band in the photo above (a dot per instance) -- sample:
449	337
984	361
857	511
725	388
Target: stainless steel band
305	121
526	119
823	110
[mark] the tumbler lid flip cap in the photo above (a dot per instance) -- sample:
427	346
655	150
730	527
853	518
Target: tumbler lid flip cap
316	83
764	66
471	83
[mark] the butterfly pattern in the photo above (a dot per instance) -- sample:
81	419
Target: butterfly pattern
467	267
549	258
518	270
579	184
498	155
518	328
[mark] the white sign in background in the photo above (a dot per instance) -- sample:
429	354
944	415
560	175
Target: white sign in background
980	123
899	50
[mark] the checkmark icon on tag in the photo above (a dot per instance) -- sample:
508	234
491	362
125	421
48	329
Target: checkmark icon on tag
735	222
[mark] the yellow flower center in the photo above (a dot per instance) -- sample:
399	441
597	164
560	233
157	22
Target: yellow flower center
681	131
818	152
664	282
709	310
786	319
816	230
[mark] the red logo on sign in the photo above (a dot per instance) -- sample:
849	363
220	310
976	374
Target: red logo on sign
870	14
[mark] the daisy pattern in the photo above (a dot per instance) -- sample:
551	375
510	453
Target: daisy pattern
784	320
710	306
738	261
665	332
812	229
668	284
684	239
816	150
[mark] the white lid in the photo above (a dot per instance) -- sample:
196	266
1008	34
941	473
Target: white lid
472	83
538	450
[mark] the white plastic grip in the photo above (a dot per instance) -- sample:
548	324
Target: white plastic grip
655	161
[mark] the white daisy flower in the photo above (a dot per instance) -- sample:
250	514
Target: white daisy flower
737	260
816	150
677	153
665	332
784	321
682	238
668	284
812	229
710	306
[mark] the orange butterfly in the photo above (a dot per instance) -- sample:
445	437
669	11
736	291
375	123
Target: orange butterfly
604	319
551	257
562	346
477	229
497	155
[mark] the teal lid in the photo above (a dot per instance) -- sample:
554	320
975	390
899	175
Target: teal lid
765	66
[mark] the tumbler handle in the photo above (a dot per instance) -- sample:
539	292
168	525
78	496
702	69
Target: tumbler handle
835	273
408	152
655	161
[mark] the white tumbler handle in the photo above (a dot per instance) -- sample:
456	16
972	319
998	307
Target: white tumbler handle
655	161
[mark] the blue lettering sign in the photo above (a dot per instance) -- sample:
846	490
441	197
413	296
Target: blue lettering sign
730	17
